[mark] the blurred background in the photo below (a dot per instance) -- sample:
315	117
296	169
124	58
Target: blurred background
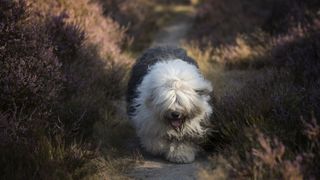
64	65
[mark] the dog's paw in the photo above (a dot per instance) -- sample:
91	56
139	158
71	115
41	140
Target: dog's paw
181	158
181	154
155	146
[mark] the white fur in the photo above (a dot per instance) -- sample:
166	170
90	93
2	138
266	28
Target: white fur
172	85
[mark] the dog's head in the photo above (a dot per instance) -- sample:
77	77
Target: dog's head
176	93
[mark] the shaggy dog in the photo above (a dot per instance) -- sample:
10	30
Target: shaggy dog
168	103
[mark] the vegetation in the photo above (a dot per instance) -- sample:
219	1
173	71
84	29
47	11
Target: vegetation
63	75
264	58
143	18
57	81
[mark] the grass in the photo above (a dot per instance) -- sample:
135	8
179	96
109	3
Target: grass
57	87
72	66
66	66
261	81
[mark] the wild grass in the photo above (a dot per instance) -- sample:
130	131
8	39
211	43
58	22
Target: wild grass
60	73
100	30
64	69
264	81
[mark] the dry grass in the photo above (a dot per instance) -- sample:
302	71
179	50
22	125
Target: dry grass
78	70
101	31
263	79
223	21
67	71
60	75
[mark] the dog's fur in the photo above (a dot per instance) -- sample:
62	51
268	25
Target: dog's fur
165	80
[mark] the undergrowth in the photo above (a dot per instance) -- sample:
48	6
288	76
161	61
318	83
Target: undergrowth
263	60
60	75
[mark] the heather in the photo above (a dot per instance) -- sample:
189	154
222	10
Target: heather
101	31
229	19
64	67
57	81
263	60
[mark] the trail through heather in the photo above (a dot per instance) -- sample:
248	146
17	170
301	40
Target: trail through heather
151	167
174	33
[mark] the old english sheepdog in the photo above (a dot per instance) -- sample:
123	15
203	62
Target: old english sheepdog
168	103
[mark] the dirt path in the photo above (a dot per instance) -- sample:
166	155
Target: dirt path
156	167
174	33
151	167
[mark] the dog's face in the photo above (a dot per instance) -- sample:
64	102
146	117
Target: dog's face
177	102
177	93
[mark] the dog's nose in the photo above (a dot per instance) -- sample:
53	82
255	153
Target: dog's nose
175	115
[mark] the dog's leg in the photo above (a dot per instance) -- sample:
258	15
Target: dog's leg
181	153
154	145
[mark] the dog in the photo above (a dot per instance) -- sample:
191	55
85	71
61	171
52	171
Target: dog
168	102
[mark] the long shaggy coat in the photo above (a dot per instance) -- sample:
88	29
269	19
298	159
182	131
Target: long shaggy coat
168	103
